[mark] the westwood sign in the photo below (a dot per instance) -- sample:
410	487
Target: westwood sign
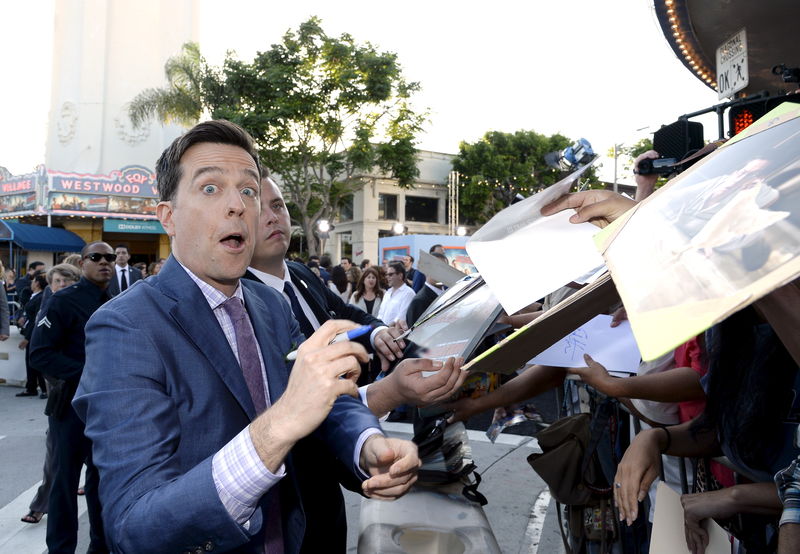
128	181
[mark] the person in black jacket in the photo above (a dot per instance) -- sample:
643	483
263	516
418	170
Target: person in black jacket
58	350
33	377
312	304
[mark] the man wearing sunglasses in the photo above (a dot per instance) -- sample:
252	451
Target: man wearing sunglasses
57	349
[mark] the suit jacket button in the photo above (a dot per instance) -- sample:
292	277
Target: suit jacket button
209	546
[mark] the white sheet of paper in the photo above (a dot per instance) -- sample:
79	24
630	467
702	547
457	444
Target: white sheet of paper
613	347
668	535
435	268
523	256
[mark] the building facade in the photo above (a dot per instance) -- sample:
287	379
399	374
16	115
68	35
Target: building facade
379	203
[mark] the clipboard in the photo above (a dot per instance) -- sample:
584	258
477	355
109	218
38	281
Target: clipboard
455	326
537	336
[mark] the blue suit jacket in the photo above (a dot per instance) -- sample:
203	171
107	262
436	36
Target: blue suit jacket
162	392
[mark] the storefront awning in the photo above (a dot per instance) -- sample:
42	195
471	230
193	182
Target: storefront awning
37	237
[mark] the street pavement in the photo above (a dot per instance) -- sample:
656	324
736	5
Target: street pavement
519	511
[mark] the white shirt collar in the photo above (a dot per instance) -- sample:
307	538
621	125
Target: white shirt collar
271	280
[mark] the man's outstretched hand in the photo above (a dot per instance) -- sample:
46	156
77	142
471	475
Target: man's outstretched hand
599	207
392	464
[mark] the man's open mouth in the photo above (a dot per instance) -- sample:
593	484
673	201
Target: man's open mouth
233	240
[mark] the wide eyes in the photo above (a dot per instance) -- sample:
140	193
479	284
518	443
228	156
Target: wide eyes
250	192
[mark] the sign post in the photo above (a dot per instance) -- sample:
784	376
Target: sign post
732	73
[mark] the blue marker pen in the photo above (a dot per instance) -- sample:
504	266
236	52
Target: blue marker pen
347	335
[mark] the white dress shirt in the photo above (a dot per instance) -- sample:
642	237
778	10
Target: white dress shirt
120	271
395	304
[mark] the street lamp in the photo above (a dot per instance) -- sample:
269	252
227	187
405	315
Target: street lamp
324	228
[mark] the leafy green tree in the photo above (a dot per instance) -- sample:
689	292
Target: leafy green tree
320	108
501	165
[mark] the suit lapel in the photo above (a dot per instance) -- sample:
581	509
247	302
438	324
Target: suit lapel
267	330
311	294
194	316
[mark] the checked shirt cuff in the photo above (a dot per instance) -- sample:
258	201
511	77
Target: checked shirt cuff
241	478
788	482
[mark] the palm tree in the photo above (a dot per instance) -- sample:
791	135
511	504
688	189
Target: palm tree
182	100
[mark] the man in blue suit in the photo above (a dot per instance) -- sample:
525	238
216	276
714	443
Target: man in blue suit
198	425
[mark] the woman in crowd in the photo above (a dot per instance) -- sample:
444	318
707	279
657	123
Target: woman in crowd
368	294
153	268
751	414
751	391
339	283
10	277
353	276
142	267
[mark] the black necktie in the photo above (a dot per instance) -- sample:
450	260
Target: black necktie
305	325
123	282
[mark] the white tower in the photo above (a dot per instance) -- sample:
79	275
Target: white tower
104	53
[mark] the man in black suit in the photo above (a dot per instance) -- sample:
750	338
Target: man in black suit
23	284
429	292
313	304
124	274
316	304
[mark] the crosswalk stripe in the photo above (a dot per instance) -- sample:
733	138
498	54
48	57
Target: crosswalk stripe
26	538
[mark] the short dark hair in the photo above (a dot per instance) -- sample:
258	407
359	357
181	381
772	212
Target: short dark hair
313	257
434	247
398	267
125	246
41	278
325	261
86	248
364	263
218	131
347	258
440	256
34	265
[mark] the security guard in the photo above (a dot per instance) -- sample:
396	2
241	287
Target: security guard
57	348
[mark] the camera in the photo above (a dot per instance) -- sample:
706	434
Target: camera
660	166
788	74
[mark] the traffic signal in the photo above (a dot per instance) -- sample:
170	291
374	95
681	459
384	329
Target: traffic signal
678	140
741	116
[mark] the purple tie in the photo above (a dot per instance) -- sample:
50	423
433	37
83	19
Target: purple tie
251	368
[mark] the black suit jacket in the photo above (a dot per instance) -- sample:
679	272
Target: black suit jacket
113	286
419	304
325	303
30	315
322	472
